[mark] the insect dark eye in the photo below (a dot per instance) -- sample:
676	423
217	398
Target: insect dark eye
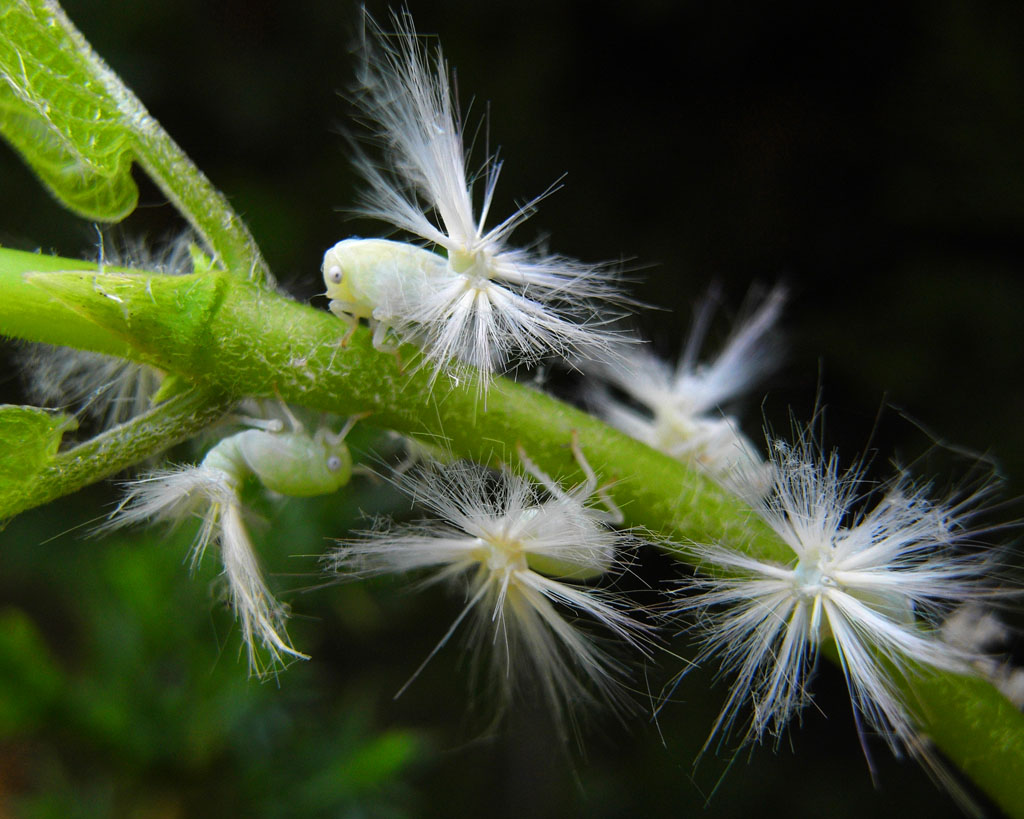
334	274
333	463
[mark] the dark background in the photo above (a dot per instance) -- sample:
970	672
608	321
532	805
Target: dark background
871	160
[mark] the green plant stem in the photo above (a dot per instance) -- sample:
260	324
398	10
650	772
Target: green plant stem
177	419
206	207
25	315
247	341
242	340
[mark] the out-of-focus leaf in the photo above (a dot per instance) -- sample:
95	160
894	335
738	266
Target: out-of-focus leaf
362	770
29	679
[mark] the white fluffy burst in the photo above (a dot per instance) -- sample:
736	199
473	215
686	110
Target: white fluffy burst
976	629
212	495
876	583
495	304
680	408
516	551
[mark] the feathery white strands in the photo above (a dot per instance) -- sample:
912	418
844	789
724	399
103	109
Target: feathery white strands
977	630
876	582
520	550
105	388
292	463
483	302
680	408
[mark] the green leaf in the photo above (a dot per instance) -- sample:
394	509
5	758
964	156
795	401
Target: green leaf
380	760
60	116
29	438
79	128
362	766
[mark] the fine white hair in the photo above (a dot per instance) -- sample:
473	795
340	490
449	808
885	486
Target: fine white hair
501	305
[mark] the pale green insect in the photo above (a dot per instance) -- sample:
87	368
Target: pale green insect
290	463
382	281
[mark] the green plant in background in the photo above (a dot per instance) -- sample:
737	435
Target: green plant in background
223	334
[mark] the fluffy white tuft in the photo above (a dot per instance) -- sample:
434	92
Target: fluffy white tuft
678	410
514	549
106	389
877	583
261	616
499	304
212	495
976	629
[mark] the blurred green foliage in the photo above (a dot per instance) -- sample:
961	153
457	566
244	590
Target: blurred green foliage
121	694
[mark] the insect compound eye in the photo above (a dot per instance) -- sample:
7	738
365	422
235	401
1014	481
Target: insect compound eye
334	274
333	463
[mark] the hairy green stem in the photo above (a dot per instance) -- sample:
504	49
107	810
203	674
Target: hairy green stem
242	340
177	419
247	341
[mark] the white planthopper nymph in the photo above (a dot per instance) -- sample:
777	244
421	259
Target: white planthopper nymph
292	463
975	629
522	551
678	409
875	582
469	296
